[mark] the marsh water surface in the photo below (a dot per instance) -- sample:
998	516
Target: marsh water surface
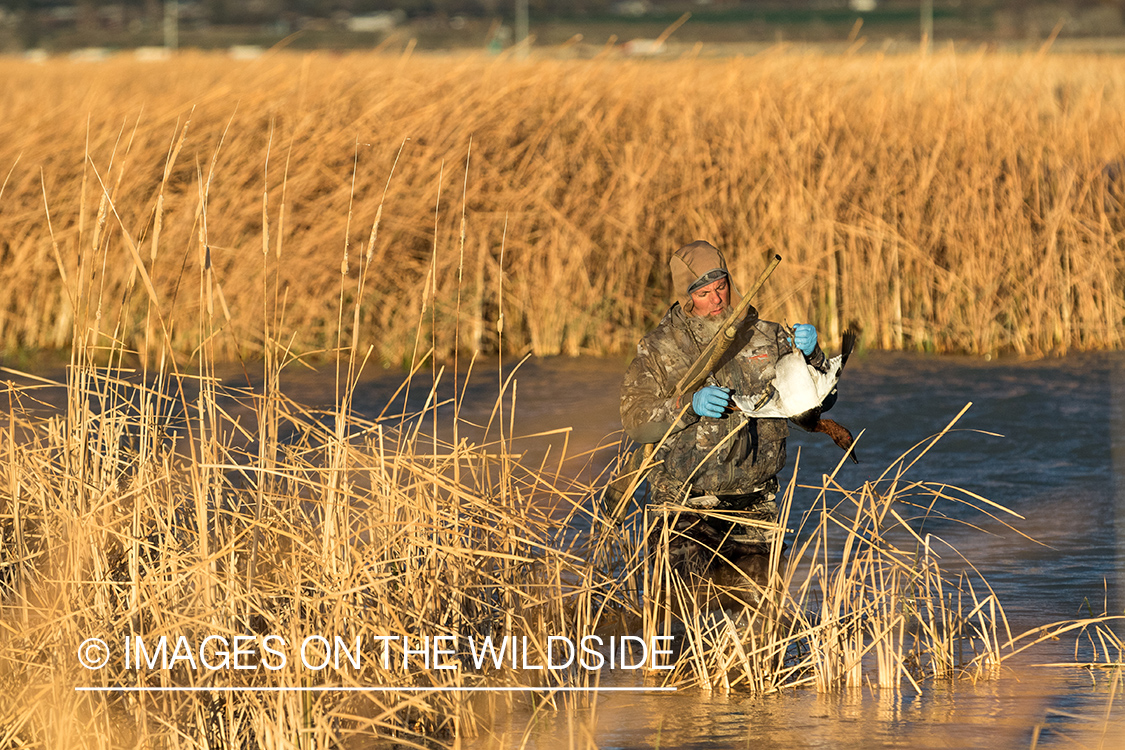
1039	439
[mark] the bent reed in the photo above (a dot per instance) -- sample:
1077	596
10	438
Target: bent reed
950	202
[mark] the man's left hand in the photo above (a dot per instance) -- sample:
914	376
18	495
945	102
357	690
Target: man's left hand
804	337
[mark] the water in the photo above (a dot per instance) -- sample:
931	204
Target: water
1061	423
1053	465
1037	439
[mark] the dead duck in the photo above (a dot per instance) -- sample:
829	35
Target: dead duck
800	393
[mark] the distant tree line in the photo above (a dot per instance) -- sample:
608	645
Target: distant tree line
504	7
237	11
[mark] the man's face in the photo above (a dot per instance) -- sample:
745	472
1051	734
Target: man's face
711	300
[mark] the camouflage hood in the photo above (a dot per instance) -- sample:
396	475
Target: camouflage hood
691	264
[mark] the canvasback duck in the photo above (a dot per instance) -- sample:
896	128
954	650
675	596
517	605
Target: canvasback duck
801	392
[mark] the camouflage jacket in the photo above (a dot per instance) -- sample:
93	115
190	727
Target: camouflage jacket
732	455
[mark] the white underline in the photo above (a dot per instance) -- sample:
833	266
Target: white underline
326	689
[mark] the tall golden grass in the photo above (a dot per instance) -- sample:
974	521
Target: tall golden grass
966	202
160	504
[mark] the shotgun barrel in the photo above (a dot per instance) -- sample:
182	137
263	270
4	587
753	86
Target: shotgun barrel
721	341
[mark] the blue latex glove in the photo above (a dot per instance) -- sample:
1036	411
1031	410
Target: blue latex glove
711	401
804	337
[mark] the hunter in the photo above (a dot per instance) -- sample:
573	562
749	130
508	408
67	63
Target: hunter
714	458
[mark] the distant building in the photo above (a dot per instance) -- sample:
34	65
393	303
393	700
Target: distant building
376	22
643	47
631	8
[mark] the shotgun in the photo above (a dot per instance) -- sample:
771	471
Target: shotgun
707	360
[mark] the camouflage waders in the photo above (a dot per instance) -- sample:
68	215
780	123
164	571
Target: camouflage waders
700	541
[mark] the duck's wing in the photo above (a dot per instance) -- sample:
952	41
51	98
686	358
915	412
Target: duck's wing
826	381
772	409
846	346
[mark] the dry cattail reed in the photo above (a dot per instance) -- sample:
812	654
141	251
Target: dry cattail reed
966	202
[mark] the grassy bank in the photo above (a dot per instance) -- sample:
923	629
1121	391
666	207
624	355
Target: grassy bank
945	203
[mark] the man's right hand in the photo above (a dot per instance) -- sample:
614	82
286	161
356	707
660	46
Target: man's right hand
711	401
